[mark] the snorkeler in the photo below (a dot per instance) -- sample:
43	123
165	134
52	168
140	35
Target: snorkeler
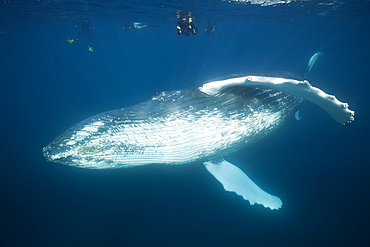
185	25
136	25
210	28
85	26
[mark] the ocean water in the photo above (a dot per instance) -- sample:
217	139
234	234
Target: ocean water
319	169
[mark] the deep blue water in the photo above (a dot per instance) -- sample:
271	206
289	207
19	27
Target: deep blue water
319	169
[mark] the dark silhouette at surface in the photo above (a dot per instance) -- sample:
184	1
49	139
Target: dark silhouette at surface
210	28
84	27
185	25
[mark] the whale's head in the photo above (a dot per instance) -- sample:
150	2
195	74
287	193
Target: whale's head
76	146
62	149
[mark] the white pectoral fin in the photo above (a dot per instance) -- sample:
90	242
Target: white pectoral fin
235	180
337	109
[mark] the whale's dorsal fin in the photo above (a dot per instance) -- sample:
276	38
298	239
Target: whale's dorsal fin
235	180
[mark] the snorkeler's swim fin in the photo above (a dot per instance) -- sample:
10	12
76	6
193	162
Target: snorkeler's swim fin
90	48
71	41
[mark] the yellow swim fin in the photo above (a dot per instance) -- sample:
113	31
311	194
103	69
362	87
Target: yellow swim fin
90	48
71	41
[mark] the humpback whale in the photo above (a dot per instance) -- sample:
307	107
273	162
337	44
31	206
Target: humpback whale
200	124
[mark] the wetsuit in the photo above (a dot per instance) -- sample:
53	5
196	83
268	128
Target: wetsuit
85	26
185	27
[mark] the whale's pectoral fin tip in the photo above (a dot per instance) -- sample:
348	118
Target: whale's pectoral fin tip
235	180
